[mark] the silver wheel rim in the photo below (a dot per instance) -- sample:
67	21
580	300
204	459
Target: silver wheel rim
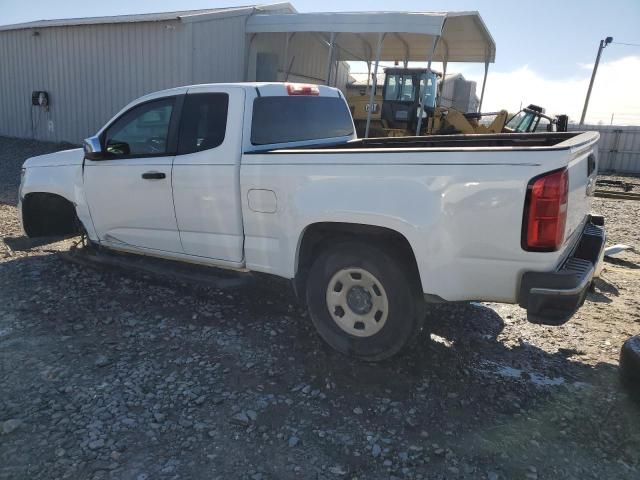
357	302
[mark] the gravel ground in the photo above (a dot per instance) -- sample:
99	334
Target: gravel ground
108	373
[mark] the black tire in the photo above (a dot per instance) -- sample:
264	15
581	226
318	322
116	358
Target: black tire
405	302
49	215
630	365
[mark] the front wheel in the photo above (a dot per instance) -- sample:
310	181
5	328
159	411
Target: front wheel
364	301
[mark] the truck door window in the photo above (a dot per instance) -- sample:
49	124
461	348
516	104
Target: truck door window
142	131
204	122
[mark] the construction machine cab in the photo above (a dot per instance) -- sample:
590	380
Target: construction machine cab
532	119
402	93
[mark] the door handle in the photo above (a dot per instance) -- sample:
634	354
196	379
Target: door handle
153	175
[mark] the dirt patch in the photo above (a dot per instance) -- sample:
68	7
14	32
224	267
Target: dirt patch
111	375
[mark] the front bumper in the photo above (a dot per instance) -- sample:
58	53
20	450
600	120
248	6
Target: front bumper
551	298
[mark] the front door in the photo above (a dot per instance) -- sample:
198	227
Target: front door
129	193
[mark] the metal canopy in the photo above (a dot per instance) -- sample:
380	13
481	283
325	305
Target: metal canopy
389	36
409	35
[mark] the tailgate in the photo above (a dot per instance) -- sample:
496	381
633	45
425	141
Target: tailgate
582	166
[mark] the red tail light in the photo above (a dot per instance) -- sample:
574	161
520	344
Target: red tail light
299	89
545	212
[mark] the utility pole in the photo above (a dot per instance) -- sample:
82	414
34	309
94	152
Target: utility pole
603	44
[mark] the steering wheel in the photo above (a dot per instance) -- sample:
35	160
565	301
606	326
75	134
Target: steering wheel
155	144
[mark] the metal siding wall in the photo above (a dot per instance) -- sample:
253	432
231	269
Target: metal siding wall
90	72
618	148
218	50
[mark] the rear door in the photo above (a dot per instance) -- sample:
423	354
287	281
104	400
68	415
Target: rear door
206	173
129	194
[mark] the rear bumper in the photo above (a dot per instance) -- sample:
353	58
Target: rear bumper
551	298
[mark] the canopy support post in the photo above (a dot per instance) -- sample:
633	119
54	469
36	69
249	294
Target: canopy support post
484	81
288	65
407	49
375	83
332	41
444	75
421	109
285	56
247	57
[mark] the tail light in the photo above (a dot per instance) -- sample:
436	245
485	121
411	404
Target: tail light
545	212
300	89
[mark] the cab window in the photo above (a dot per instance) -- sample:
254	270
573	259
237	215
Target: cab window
399	87
544	125
299	118
142	131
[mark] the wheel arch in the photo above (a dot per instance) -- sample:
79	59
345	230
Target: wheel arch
317	236
45	214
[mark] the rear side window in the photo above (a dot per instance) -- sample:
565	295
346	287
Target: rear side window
204	122
298	118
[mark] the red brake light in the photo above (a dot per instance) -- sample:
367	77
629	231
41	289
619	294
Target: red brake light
300	89
545	213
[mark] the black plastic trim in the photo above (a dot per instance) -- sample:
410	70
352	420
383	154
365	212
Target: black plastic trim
551	298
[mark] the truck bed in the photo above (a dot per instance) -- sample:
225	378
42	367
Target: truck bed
457	199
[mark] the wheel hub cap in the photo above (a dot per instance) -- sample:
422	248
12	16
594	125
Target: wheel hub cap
357	302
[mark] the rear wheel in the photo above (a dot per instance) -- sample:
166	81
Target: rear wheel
363	301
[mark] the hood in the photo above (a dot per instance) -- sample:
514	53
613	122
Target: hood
57	159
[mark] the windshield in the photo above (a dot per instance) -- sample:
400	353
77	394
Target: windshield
402	87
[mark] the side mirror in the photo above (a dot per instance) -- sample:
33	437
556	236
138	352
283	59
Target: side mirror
93	149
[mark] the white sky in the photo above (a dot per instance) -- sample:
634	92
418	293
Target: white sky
616	89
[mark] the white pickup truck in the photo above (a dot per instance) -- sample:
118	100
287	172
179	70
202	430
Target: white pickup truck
270	177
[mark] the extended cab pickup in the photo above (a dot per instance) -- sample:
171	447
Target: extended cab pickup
271	178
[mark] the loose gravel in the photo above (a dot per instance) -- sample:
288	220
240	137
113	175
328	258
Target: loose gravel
109	373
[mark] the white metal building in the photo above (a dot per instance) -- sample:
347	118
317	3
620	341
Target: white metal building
63	79
92	67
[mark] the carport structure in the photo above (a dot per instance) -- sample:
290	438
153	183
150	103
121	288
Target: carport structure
373	37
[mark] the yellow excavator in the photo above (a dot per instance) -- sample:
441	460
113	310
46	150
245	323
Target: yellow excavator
396	108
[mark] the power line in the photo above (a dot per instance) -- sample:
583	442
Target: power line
627	44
